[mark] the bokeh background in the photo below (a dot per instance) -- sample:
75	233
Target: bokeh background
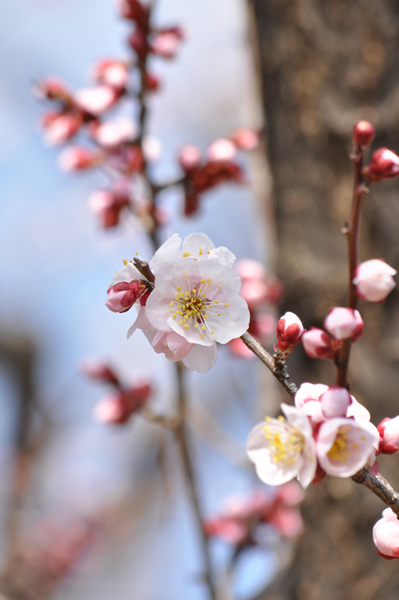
55	267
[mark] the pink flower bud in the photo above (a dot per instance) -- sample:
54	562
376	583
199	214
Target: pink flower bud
344	323
114	133
374	280
108	204
255	293
335	401
250	270
165	45
289	332
363	134
245	139
112	73
384	165
287	521
78	158
122	296
317	343
222	150
62	128
307	399
386	535
117	408
99	371
389	433
96	100
189	157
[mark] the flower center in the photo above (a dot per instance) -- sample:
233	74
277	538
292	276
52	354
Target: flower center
339	450
284	445
192	307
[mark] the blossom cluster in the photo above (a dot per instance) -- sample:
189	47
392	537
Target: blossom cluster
326	432
240	523
123	401
119	145
187	300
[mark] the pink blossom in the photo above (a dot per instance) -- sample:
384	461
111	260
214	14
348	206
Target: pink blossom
317	343
389	433
289	332
62	128
245	139
363	134
307	399
165	44
152	148
118	407
114	133
384	165
344	323
189	157
112	73
250	270
174	346
123	295
374	280
283	449
343	446
222	150
386	534
96	100
78	158
108	204
335	402
287	521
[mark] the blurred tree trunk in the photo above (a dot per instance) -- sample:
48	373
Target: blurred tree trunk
322	67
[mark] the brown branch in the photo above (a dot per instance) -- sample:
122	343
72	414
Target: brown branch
380	487
275	364
181	438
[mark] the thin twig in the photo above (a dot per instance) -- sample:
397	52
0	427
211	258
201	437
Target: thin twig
181	438
380	487
276	365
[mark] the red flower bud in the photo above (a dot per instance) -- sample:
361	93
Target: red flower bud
384	165
122	296
363	134
289	332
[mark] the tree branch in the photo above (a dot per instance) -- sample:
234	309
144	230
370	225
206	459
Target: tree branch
276	364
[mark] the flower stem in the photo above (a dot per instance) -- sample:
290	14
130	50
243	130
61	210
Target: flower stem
351	230
181	438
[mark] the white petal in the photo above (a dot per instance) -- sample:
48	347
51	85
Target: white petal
191	334
298	419
170	249
223	256
201	358
197	245
218	274
269	471
309	464
142	323
126	273
157	311
171	275
233	320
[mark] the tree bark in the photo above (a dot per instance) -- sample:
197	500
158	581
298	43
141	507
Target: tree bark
322	67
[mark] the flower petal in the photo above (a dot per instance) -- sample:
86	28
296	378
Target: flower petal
170	249
201	358
127	273
229	319
197	245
